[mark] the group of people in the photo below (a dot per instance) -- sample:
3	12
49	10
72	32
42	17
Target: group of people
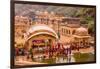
19	51
51	51
23	52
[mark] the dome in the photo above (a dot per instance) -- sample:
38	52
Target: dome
40	29
81	31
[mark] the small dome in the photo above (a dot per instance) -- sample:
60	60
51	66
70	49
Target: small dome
81	31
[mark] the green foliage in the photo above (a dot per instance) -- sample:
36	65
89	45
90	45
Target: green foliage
91	28
86	14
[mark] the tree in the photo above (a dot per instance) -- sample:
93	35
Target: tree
87	16
91	28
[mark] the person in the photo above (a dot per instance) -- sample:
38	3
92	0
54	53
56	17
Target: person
58	45
77	48
20	52
23	52
69	54
31	53
16	51
26	53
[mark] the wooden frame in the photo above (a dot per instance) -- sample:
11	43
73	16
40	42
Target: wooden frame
49	4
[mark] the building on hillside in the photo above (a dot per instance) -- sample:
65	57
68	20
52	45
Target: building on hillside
49	27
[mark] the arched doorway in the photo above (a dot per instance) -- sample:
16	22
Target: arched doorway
40	38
